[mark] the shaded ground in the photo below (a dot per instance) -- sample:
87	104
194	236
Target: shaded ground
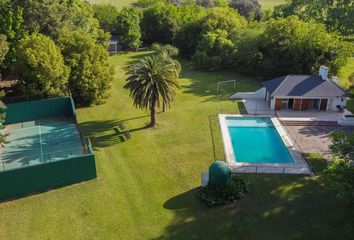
315	139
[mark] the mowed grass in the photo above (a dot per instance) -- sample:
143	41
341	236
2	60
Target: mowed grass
147	187
266	4
270	4
118	3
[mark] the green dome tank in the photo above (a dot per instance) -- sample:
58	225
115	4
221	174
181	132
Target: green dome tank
219	173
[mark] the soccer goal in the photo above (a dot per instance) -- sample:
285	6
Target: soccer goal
225	82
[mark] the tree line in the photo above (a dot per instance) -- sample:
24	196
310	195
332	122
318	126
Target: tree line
237	34
60	46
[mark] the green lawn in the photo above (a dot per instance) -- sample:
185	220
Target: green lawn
269	4
266	4
147	186
118	3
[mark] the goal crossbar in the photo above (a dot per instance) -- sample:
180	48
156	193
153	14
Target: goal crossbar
222	82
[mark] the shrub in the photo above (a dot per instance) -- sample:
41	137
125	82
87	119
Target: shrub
168	49
234	190
340	172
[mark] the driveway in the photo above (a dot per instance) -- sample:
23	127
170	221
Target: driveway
315	139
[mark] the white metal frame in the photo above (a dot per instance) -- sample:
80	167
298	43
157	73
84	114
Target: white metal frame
228	81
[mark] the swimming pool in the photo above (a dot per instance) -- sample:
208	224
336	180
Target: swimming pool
256	140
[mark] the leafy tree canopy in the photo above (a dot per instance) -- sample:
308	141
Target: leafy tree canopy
215	51
12	26
49	17
107	16
91	74
160	23
223	18
336	15
41	67
4	48
293	46
128	28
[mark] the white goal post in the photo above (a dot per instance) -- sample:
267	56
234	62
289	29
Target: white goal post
222	82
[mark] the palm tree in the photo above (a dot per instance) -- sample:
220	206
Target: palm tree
152	81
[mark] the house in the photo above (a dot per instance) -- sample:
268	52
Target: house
113	45
305	92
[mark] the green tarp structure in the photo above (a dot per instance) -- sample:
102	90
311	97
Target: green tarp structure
219	173
38	178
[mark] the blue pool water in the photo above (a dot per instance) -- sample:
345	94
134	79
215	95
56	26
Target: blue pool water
256	140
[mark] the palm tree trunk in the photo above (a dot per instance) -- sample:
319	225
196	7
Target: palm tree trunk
153	114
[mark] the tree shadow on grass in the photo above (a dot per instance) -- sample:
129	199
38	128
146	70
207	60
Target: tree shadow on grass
277	207
107	133
204	83
142	55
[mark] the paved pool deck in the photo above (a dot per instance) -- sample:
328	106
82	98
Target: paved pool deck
298	167
316	139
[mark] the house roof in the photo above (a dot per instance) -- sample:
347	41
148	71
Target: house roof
303	86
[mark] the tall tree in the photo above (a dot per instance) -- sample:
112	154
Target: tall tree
91	74
128	28
40	67
160	23
12	26
152	82
107	16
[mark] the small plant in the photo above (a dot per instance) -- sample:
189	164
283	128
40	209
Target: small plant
221	195
168	49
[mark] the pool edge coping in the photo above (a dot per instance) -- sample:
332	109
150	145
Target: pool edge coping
298	167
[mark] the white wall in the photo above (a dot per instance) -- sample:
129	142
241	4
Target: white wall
336	101
272	103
